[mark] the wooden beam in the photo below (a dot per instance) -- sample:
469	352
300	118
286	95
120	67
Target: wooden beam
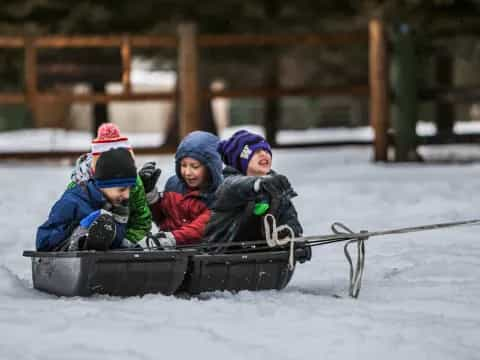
126	52
100	98
188	77
165	41
170	41
105	41
10	98
379	88
60	41
12	42
282	39
353	90
455	95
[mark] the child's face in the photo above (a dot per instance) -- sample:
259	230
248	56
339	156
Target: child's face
260	164
193	172
116	195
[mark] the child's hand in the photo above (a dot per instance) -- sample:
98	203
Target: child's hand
164	240
89	219
275	185
149	174
120	213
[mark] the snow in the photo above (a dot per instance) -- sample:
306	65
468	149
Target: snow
75	140
419	300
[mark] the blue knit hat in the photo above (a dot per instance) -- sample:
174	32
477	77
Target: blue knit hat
240	147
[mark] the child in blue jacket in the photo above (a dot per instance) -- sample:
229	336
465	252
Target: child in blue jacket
93	214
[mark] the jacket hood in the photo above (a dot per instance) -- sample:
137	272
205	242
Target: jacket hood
201	146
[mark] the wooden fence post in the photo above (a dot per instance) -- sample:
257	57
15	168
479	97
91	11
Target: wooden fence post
126	51
379	88
30	69
189	92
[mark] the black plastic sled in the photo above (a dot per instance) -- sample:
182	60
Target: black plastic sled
121	273
132	273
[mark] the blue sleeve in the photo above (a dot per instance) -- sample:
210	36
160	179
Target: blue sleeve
120	235
59	225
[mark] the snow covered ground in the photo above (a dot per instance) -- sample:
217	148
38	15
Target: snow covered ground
420	297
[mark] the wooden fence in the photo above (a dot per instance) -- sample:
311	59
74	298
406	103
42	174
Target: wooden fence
188	42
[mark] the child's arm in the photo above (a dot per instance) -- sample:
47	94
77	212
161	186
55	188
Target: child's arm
192	232
236	191
140	219
58	227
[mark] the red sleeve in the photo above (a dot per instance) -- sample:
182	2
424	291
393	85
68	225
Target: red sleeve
157	211
192	233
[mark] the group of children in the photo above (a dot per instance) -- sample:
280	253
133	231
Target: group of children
220	193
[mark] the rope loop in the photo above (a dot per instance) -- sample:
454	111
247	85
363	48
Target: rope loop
271	236
356	274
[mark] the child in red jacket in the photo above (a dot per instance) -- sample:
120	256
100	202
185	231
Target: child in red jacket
182	211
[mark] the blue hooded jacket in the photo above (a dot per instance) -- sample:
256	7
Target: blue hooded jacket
65	215
201	146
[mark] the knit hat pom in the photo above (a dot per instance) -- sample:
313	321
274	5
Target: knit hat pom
109	137
108	131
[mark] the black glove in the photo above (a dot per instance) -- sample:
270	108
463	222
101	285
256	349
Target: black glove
149	174
101	233
303	252
276	186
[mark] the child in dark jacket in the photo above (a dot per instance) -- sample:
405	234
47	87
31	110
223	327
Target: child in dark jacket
182	211
250	189
109	137
92	215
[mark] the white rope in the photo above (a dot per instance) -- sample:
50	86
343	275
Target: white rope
271	236
356	273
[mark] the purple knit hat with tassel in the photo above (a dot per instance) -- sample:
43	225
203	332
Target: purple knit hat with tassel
240	147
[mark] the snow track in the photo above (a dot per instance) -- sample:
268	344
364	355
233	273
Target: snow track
420	295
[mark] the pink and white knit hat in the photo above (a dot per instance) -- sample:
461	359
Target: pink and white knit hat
109	137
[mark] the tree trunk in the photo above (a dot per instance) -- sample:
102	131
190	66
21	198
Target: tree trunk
272	105
100	113
444	118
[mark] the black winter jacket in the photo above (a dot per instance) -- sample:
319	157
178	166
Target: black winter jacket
233	219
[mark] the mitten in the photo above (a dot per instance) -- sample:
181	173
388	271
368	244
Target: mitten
149	174
164	240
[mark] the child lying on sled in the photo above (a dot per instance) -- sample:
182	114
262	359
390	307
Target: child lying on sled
182	210
109	137
250	189
92	215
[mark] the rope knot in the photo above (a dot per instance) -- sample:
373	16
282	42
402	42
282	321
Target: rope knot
271	236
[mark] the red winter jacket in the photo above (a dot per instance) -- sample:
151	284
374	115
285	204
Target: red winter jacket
181	211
